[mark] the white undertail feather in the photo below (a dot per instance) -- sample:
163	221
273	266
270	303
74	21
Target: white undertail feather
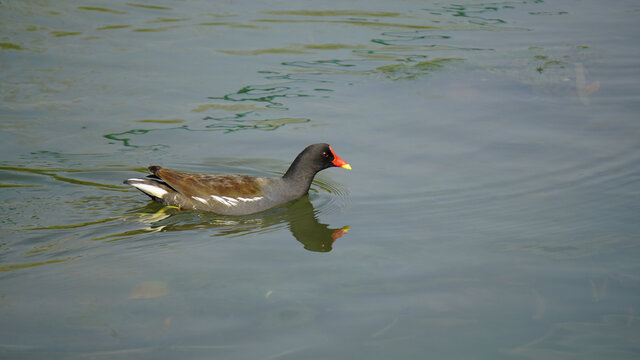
148	188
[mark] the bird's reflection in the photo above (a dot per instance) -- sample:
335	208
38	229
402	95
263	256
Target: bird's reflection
300	216
306	228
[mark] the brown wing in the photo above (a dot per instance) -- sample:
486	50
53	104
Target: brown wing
206	185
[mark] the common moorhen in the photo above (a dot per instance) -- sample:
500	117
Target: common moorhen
237	194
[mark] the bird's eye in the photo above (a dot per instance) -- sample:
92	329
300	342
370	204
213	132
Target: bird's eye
325	155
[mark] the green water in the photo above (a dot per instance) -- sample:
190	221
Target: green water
492	211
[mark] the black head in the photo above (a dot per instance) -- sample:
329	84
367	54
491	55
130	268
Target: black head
314	158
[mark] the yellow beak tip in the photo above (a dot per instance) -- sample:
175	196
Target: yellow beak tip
346	166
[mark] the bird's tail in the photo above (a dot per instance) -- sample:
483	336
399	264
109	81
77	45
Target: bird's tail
154	188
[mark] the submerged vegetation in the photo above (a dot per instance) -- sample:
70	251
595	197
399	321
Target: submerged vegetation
410	71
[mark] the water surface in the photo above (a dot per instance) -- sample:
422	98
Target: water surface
492	209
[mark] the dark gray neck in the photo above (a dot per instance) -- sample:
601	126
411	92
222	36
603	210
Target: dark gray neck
298	178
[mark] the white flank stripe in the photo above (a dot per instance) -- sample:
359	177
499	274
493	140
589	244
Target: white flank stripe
232	201
250	199
229	201
151	189
219	199
199	199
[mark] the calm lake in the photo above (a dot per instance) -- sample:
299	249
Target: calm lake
493	209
